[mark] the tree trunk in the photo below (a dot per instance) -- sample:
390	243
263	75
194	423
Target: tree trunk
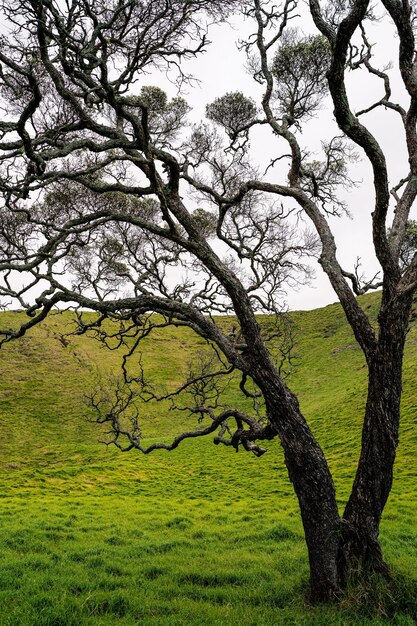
339	548
313	484
314	487
360	550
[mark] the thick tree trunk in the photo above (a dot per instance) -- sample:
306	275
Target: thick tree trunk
313	485
339	549
360	550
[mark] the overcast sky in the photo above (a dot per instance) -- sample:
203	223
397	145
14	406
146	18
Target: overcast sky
221	69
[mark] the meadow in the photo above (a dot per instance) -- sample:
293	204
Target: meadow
90	536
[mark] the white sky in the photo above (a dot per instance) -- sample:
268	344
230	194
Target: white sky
221	69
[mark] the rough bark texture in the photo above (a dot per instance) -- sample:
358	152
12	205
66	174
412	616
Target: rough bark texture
344	549
360	546
312	481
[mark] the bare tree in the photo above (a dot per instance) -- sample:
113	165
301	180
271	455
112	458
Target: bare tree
96	173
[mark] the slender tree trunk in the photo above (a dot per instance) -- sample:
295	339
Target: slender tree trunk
360	548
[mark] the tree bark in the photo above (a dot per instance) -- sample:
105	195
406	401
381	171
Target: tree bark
341	549
360	549
312	481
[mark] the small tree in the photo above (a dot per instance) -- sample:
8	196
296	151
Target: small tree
94	176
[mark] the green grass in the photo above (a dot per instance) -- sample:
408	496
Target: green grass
202	535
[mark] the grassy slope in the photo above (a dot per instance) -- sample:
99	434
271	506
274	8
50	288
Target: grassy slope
202	535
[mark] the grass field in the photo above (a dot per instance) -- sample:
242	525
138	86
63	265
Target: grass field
202	535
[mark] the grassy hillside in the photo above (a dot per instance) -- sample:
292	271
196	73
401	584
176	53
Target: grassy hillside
202	535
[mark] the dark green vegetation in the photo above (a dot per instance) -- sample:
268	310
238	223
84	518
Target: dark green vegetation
200	535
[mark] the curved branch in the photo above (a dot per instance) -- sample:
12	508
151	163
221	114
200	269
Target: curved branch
356	131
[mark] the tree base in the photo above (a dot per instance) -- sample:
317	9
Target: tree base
360	556
360	569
